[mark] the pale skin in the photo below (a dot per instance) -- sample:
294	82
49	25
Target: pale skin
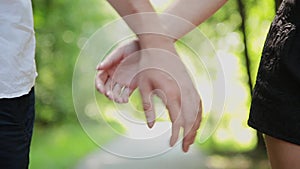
282	155
182	100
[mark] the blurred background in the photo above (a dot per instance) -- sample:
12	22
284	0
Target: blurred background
62	27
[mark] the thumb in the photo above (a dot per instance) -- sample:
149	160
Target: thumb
112	59
146	94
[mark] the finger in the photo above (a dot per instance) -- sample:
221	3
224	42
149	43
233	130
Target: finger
100	81
125	95
108	89
116	92
118	54
189	137
199	116
174	112
175	133
114	57
148	106
192	124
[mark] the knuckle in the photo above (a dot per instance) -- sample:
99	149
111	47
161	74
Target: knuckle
172	94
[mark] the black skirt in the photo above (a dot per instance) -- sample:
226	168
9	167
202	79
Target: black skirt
275	107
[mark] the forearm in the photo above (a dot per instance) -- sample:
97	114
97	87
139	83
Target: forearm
143	20
184	16
194	12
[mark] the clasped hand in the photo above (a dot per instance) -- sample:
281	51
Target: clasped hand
156	70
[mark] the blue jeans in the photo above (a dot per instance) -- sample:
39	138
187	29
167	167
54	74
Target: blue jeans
16	125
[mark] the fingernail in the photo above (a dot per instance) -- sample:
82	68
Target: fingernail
150	124
185	150
111	96
125	100
99	67
100	88
172	143
119	100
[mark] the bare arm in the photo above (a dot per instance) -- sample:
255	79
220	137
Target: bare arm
146	26
179	19
151	30
193	11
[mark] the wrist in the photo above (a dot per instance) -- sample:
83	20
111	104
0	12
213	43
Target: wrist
155	41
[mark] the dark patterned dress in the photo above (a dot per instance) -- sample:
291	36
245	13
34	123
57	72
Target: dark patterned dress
275	108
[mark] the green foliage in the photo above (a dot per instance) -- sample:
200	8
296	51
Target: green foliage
223	29
62	27
61	147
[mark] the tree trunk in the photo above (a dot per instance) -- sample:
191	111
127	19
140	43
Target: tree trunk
260	140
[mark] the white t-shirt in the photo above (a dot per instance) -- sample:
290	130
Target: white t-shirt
17	48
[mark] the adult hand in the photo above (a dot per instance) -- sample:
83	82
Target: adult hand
158	71
106	70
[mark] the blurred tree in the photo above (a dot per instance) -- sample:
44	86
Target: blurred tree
245	21
241	4
241	8
62	27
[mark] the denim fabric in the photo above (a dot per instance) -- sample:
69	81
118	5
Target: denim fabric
16	125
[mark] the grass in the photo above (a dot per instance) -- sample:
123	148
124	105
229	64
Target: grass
60	147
